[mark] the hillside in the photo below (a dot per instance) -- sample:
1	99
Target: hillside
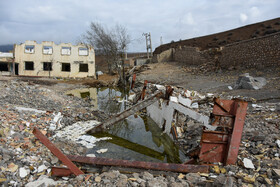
6	48
227	37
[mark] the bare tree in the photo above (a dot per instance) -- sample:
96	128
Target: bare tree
111	43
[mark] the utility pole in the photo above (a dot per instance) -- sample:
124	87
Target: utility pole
148	44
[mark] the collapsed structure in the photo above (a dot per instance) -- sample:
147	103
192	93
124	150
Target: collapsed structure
48	59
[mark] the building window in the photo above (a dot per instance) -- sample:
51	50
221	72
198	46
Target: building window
47	50
66	67
29	49
47	66
66	50
4	66
83	51
83	67
29	65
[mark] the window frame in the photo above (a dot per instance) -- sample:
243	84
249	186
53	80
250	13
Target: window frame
47	53
83	48
47	69
62	63
29	52
65	47
25	65
80	68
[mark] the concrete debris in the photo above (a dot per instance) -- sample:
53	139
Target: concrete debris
245	81
248	163
42	168
24	162
102	150
278	143
22	109
43	180
23	172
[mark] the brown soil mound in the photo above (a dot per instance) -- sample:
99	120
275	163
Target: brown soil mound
227	37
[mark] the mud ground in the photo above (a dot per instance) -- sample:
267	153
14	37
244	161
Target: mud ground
193	78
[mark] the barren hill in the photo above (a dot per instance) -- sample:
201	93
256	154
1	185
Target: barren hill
227	37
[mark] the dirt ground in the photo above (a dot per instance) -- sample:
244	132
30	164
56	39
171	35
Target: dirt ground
212	82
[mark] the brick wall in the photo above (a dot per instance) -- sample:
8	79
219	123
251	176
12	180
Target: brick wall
259	53
190	55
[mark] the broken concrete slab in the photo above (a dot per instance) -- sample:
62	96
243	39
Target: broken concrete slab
162	113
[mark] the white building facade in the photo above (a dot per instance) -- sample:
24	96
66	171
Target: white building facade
50	60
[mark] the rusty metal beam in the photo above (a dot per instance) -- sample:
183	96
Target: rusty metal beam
133	81
126	113
235	138
183	168
57	152
61	172
144	90
168	93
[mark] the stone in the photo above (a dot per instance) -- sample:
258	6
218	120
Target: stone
181	176
220	180
121	182
246	81
248	163
276	172
54	160
23	172
249	179
12	167
193	178
2	180
97	179
156	183
102	150
176	184
278	143
147	176
267	180
42	168
216	169
43	180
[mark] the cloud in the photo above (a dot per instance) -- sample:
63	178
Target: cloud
65	20
188	19
243	17
254	12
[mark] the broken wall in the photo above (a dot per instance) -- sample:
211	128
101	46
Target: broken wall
190	55
38	56
162	112
254	53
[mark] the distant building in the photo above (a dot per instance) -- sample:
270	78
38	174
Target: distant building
6	63
49	59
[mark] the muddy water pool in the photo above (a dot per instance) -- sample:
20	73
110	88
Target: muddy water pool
137	137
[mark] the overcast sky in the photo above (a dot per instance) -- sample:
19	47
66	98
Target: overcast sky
65	20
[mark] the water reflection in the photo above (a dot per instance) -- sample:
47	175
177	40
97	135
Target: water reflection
85	92
136	137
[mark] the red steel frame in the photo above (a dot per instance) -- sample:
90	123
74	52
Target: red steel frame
223	145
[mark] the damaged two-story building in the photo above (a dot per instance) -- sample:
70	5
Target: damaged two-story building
48	59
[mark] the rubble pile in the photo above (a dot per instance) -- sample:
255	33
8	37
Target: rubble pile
24	161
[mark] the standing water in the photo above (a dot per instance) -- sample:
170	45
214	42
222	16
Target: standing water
137	137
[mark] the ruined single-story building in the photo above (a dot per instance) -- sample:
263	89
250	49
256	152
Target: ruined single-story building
52	60
6	63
